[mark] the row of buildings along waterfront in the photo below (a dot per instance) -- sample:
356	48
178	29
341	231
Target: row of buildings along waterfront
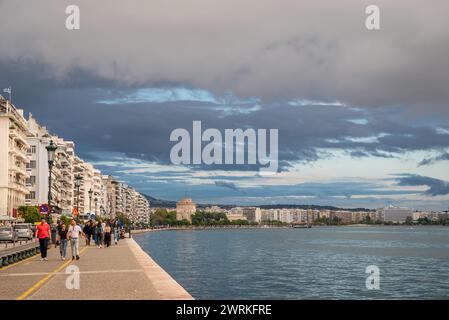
185	208
24	174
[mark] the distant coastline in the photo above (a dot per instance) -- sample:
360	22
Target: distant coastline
243	227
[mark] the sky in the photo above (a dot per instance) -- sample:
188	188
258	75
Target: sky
362	115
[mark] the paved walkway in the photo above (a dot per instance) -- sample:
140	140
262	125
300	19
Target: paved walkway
122	271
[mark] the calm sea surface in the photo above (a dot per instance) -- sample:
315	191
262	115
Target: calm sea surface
316	263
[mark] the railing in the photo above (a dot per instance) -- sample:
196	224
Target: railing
15	254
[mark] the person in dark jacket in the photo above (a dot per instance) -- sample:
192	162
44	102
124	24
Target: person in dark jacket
88	232
99	235
54	233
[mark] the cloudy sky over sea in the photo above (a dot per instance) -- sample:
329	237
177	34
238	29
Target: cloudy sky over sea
363	116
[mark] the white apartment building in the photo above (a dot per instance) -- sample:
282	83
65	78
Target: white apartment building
286	215
396	214
13	158
80	199
62	170
37	182
252	214
130	203
235	216
108	196
65	154
142	214
24	174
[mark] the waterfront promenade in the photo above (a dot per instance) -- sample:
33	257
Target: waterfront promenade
122	271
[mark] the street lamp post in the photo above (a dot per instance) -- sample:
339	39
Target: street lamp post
96	201
51	150
78	179
90	200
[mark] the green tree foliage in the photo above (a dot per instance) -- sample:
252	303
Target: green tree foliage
123	218
162	217
29	213
201	218
409	220
65	220
328	221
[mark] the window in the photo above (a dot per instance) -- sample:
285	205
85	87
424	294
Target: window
31	165
31	195
31	181
31	150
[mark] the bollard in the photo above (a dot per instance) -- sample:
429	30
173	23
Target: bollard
1	262
5	261
10	259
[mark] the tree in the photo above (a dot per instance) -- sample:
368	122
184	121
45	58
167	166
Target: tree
65	220
29	213
409	220
158	217
367	220
123	218
209	218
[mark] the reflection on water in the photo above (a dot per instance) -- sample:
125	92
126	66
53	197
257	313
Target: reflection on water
316	263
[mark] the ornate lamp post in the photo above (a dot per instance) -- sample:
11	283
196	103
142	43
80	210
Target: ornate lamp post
78	179
90	200
51	150
96	201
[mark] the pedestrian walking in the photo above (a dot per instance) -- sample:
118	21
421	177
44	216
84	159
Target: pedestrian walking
43	234
107	234
99	235
54	233
63	238
87	231
74	233
115	229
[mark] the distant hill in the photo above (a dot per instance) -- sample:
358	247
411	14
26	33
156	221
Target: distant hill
160	203
172	204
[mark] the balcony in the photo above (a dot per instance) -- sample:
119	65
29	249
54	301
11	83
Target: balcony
19	154
20	171
13	133
21	138
18	187
64	161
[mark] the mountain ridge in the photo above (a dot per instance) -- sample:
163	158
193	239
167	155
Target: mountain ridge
160	203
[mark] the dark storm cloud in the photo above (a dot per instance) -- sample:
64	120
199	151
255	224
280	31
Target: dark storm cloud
436	187
275	50
141	130
429	161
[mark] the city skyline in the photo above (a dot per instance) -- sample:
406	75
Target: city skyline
362	117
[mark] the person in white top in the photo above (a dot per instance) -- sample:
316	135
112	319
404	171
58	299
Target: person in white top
74	233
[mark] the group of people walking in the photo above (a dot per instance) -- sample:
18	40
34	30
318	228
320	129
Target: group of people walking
101	232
